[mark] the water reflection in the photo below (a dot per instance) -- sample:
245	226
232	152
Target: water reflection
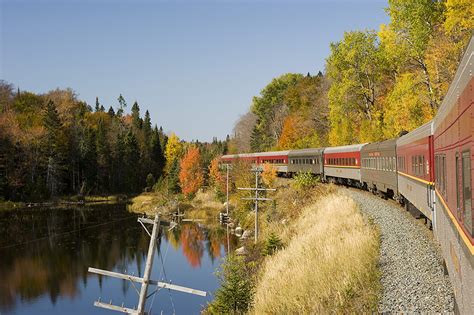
45	253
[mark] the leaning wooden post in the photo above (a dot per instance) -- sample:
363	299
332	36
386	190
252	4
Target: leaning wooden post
148	266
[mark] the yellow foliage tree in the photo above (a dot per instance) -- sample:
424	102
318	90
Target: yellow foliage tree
406	106
173	150
459	17
269	174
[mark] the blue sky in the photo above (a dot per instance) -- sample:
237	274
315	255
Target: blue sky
195	65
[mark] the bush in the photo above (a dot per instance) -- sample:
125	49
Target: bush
237	288
304	180
150	180
272	244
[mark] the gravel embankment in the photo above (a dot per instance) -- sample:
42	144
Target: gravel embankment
412	275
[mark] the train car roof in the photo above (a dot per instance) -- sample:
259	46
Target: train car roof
461	79
382	145
306	152
345	148
271	153
421	132
256	154
237	155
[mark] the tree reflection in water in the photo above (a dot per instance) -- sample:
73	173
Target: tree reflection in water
46	252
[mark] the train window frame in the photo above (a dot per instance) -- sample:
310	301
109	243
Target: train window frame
458	193
467	191
422	165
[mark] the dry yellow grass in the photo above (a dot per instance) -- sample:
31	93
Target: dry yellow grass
328	266
149	203
206	199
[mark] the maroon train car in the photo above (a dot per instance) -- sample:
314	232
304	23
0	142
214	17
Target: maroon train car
279	159
454	154
415	169
342	164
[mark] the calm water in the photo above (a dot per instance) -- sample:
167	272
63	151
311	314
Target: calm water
45	253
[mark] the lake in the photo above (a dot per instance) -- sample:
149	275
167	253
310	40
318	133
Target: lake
45	254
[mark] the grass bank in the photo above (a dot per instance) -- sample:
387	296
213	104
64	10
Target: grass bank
316	254
202	206
328	265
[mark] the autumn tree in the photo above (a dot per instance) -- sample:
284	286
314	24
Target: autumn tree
173	150
217	179
355	67
270	109
269	174
190	175
243	131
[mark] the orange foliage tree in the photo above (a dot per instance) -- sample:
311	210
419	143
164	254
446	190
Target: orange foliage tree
218	180
297	133
191	177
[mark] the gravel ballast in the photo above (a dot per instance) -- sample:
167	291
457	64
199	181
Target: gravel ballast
412	274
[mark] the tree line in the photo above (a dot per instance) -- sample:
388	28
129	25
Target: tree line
55	144
375	84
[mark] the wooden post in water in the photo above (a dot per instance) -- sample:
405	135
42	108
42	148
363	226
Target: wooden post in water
148	265
145	281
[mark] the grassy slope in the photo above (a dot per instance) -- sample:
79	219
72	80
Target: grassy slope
328	265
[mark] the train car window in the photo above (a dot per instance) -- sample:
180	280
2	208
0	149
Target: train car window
443	165
422	165
467	190
458	195
418	164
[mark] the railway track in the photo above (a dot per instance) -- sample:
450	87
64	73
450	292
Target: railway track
411	265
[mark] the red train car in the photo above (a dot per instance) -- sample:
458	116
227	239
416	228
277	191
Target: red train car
279	159
454	154
342	164
415	169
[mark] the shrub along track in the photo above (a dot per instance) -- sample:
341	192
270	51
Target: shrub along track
412	274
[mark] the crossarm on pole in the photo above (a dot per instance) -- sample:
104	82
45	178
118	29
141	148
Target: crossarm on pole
153	282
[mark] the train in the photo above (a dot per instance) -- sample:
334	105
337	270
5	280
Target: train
428	169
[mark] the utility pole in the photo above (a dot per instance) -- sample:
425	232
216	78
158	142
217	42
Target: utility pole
256	198
145	281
